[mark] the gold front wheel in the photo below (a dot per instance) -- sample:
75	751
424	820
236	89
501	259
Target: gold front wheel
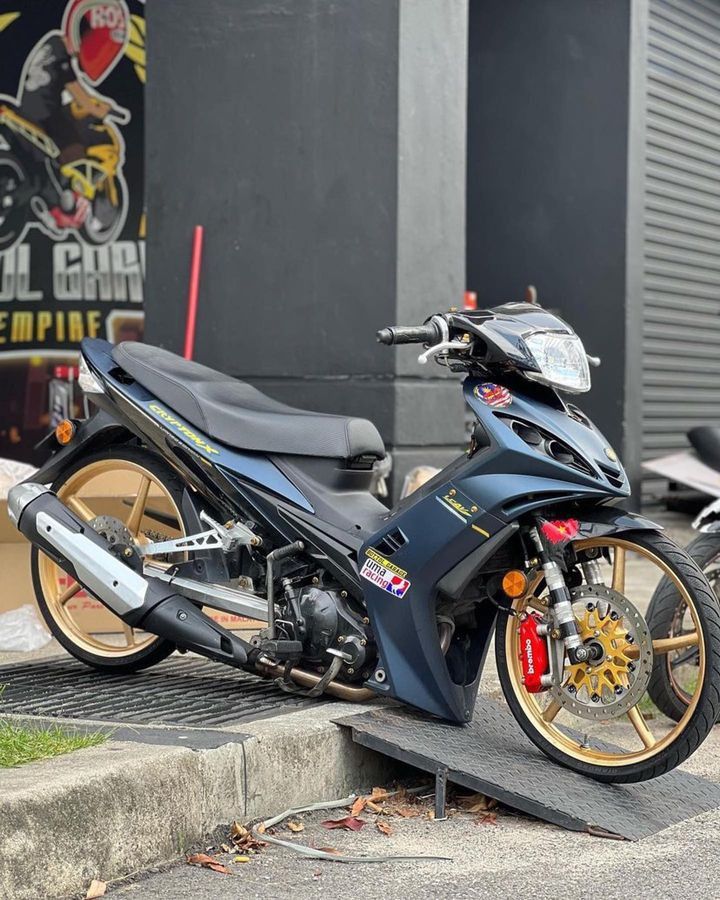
597	718
139	490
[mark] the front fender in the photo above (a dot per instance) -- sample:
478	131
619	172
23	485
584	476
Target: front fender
601	520
99	431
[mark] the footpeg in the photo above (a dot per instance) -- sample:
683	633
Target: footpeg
282	651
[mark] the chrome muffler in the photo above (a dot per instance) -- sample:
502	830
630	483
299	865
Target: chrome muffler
143	602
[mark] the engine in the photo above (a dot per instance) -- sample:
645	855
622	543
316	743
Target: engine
321	619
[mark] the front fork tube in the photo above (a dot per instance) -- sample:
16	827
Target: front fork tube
560	603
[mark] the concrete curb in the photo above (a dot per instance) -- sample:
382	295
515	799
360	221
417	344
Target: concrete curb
112	810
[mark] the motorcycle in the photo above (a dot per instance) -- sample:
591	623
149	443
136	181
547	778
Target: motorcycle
222	498
676	671
88	196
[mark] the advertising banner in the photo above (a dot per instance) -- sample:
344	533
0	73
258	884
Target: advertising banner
72	222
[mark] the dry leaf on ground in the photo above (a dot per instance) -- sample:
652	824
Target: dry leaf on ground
96	889
358	806
379	794
487	819
477	803
384	827
208	862
243	839
351	823
408	812
296	826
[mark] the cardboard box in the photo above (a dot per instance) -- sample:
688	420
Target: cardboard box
88	612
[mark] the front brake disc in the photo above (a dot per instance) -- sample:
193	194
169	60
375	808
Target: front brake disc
615	682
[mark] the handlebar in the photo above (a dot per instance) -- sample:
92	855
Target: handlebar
410	334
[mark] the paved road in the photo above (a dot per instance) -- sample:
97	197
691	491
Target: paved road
515	857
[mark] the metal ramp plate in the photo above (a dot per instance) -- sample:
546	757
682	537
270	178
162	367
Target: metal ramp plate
493	756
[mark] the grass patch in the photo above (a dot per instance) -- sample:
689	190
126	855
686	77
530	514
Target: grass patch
19	745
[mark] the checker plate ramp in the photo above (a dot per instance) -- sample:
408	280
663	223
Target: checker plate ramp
492	756
181	690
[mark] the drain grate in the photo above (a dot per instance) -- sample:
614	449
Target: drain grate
182	690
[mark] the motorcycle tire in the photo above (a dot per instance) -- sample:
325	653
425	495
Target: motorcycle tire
104	222
13	218
601	760
663	614
97	652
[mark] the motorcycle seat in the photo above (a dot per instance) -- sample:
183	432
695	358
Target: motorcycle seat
705	439
238	414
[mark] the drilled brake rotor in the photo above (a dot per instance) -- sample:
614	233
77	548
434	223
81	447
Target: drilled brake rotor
618	677
118	535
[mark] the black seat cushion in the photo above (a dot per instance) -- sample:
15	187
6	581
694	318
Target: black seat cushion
706	441
237	414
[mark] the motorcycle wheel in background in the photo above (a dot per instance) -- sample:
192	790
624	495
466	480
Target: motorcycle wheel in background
13	212
144	498
675	671
105	219
593	721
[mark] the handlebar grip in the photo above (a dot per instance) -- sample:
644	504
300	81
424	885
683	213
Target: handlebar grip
409	334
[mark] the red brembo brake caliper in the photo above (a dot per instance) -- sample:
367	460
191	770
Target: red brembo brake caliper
533	654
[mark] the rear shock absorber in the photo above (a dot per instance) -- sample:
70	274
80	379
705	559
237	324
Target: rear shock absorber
560	602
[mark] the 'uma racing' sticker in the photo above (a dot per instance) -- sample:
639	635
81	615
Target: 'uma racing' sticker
382	573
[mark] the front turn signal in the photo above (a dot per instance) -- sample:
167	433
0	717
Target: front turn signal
515	583
65	432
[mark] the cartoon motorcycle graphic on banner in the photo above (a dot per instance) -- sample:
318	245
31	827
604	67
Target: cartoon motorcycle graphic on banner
61	152
88	196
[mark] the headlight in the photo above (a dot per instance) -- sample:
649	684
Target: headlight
561	359
87	381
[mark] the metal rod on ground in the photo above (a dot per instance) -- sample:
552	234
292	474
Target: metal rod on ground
195	263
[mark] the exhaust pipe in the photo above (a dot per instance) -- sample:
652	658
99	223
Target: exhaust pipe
143	602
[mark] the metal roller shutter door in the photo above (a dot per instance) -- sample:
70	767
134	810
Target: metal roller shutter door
681	282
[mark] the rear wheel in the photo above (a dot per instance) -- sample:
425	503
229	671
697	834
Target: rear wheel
137	488
598	720
13	211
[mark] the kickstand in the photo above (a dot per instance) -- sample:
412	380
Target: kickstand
441	779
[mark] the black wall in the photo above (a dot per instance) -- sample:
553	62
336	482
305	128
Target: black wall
322	146
547	170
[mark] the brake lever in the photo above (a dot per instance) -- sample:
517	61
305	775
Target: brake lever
439	348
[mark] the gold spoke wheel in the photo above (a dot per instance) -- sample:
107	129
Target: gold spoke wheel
126	490
641	737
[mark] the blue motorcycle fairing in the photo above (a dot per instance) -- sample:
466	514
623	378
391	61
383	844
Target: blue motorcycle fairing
256	467
451	528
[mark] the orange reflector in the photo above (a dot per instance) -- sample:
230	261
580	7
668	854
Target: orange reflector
515	583
65	432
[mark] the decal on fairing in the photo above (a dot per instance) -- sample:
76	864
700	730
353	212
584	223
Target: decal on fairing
493	395
560	531
384	574
457	503
169	419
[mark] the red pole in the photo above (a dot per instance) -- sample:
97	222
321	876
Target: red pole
195	262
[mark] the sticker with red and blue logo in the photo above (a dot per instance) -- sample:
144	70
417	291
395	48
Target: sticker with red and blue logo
384	574
494	395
